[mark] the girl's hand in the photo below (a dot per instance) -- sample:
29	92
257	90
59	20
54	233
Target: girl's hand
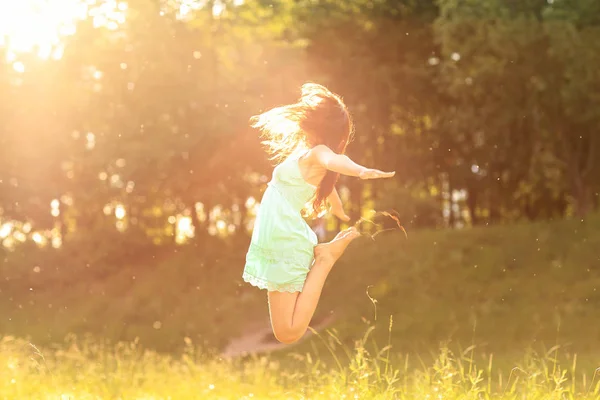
339	212
369	173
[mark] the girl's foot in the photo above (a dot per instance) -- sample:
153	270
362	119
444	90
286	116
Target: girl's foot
329	253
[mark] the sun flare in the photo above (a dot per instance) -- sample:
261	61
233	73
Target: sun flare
39	26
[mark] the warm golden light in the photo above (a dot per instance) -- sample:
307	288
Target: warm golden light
184	228
38	238
120	211
38	26
5	230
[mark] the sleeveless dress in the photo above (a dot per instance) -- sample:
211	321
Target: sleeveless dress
281	251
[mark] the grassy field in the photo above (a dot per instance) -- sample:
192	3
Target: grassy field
511	286
486	295
503	287
89	370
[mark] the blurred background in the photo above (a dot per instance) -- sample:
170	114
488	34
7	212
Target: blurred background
130	179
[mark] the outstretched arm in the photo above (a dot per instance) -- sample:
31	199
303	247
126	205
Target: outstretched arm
342	164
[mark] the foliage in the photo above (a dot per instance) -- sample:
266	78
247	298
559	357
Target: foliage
494	100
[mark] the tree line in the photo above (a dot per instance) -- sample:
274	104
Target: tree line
489	111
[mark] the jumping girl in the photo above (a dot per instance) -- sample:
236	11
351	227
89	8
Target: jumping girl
308	139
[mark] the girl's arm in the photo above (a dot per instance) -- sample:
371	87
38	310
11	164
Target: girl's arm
342	164
336	206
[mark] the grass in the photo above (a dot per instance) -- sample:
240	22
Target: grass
503	288
85	369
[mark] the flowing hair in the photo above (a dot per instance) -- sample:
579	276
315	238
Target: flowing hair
319	117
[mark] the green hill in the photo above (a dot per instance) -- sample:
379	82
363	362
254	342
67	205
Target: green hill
506	287
502	287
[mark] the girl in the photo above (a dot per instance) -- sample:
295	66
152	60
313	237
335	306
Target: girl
308	139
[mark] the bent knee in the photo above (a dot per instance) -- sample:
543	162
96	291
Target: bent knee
287	336
287	339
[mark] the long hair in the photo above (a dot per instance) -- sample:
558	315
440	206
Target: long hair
319	117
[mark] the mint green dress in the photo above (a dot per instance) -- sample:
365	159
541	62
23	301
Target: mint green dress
282	247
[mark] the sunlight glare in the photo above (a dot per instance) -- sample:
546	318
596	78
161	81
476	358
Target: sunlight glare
200	212
184	224
185	229
8	243
120	211
56	242
38	238
20	237
121	226
130	186
250	202
218	8
19	67
38	26
27	25
186	7
55	208
5	230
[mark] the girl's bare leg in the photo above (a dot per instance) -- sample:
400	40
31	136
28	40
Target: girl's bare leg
291	312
